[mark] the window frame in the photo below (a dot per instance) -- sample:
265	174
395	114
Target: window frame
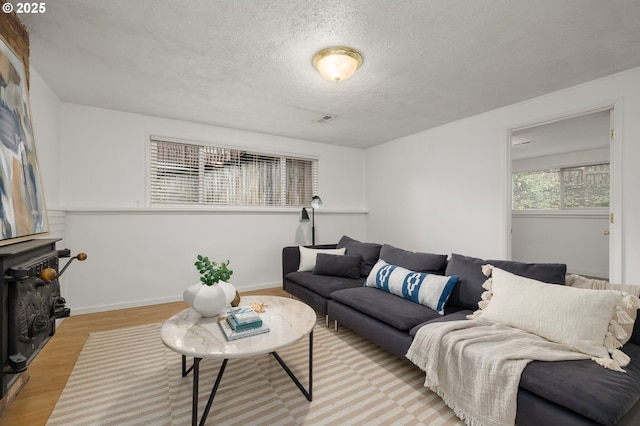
201	206
563	190
563	210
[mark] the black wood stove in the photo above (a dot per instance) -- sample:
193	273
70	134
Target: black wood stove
30	301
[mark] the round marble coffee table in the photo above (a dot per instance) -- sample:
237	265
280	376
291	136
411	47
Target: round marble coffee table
191	335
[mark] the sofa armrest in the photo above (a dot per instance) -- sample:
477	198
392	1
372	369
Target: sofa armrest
291	257
290	260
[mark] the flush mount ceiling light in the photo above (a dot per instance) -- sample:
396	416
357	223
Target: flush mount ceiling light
337	63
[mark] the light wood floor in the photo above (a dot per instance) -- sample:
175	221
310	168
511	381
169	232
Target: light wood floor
51	368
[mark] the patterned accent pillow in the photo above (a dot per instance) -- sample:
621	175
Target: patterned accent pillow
426	289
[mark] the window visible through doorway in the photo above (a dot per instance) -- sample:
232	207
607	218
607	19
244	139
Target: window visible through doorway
578	187
192	174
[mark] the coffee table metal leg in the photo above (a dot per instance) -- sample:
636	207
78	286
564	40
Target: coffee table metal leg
213	393
307	394
184	366
196	377
194	399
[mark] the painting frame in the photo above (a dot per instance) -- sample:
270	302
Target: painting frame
23	212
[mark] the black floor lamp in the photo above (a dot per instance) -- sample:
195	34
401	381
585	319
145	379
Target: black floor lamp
316	202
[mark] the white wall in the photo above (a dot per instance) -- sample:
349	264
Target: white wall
138	258
445	189
139	255
45	118
576	240
439	191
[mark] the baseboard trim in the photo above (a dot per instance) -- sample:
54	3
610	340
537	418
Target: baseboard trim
81	310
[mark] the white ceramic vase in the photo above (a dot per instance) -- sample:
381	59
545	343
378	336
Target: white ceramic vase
229	291
209	300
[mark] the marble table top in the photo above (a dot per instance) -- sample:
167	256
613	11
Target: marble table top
189	334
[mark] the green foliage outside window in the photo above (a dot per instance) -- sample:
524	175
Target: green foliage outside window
586	186
539	189
567	188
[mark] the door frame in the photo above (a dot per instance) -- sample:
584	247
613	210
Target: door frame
616	267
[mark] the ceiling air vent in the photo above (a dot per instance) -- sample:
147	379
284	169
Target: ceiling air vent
324	118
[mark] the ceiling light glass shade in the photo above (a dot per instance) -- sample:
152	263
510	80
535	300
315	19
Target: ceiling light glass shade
337	63
316	202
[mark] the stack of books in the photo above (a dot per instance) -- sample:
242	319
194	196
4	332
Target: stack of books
243	318
242	322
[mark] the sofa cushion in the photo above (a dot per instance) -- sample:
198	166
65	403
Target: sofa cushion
585	320
337	266
430	290
414	261
467	292
586	388
370	252
455	314
395	311
308	257
322	284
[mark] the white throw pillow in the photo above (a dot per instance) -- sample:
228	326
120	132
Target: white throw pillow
627	324
582	319
308	257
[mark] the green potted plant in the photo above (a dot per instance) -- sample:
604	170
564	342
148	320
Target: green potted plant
210	296
211	272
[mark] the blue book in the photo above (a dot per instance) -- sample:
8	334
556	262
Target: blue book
232	334
244	326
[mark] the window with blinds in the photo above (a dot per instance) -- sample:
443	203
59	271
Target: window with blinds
207	175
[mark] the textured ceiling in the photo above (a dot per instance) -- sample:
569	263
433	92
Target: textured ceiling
246	64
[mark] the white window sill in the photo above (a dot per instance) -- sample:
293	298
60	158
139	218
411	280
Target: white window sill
595	213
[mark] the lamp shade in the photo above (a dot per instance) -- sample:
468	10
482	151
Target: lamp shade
316	202
337	63
304	215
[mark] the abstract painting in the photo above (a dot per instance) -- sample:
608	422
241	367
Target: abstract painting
22	208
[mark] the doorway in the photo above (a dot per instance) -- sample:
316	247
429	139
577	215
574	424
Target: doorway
561	193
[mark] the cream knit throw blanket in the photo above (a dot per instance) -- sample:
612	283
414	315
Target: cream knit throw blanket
477	369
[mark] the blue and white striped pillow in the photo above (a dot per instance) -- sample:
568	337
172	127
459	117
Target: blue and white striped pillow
429	290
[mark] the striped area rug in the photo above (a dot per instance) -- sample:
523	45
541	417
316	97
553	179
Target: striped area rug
128	377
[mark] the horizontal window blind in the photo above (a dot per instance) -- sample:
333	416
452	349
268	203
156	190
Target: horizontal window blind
207	175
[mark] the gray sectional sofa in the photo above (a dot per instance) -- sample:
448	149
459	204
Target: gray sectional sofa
550	393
